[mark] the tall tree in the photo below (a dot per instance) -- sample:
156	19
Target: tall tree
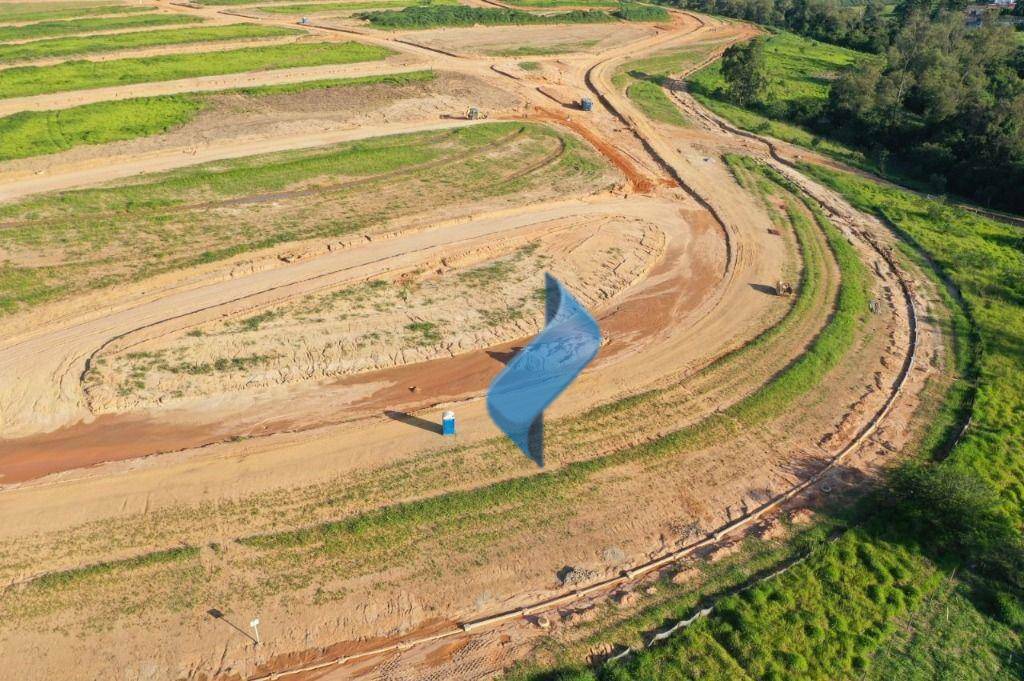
745	72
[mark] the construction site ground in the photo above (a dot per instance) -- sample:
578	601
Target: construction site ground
186	445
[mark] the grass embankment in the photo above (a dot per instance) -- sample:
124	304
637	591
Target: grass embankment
466	520
644	80
934	568
430	16
63	47
41	11
54	29
335	7
423	17
35	133
197	215
25	81
800	70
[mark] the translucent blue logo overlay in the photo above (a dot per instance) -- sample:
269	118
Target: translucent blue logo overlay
538	374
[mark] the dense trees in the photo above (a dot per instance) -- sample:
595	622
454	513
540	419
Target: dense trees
863	28
944	105
947	106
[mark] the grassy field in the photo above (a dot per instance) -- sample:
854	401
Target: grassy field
324	7
42	11
54	29
25	81
34	133
188	218
63	47
800	70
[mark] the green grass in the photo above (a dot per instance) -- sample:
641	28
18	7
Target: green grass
653	101
77	75
53	29
422	17
947	638
321	8
642	81
800	70
63	47
34	133
630	11
42	11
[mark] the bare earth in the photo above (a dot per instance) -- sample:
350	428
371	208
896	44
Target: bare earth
300	384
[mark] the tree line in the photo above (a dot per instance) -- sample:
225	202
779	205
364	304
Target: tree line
942	105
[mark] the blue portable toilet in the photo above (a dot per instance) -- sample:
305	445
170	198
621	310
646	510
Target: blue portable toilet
587	104
448	423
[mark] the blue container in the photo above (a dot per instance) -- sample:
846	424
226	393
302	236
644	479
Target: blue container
586	104
448	423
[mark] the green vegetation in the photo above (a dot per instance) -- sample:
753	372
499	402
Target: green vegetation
653	101
41	11
643	81
52	29
798	73
985	259
34	80
564	3
62	47
191	217
431	16
941	108
631	11
33	133
322	7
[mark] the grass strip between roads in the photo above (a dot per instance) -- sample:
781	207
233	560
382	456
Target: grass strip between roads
63	47
41	11
54	29
35	133
25	81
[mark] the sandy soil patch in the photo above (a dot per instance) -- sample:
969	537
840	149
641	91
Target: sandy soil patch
462	301
527	40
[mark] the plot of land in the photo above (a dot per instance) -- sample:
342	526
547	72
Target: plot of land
530	40
63	47
41	11
471	301
55	246
52	29
344	7
25	81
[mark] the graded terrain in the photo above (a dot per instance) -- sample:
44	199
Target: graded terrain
250	252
